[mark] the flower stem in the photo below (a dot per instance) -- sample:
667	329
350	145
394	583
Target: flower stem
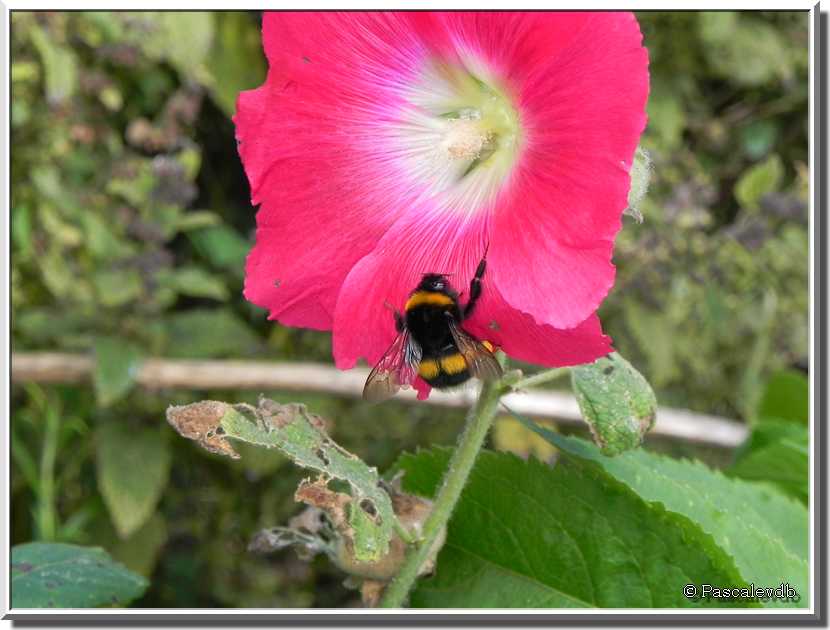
478	424
540	378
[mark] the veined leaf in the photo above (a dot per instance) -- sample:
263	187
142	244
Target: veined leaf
527	535
765	532
56	575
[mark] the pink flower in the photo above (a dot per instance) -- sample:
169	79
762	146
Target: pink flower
383	146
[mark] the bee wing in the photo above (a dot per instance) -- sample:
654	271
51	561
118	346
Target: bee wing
397	368
481	362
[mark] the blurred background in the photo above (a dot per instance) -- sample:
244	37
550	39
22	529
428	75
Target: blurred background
130	223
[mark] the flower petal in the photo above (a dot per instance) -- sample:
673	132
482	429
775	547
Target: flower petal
418	243
446	244
305	138
522	338
583	112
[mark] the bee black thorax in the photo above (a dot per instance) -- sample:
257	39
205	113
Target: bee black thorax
427	314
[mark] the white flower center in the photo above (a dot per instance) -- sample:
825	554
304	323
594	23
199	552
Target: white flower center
459	135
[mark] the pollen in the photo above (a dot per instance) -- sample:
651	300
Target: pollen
468	139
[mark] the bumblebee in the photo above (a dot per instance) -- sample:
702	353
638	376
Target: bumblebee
431	342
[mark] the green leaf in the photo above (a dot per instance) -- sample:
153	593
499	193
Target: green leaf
301	437
236	62
656	338
194	281
742	48
182	38
117	363
616	401
527	535
59	64
56	575
221	246
762	178
116	287
777	453
765	532
197	219
21	229
133	466
102	241
786	396
666	117
202	333
140	550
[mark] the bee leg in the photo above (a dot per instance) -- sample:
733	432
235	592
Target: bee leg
475	288
399	320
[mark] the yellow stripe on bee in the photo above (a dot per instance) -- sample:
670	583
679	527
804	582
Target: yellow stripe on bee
428	368
427	297
488	345
453	364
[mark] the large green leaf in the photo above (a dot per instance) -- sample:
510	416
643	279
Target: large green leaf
133	467
776	452
786	396
55	575
528	535
765	532
117	363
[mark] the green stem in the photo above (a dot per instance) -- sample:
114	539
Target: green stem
46	515
540	378
478	424
403	533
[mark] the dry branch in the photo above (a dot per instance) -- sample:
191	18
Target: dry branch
47	367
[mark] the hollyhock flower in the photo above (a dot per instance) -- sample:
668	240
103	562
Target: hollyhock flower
386	145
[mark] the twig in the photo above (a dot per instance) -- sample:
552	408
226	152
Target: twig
46	367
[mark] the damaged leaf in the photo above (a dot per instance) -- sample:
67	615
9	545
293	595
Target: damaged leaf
199	422
364	518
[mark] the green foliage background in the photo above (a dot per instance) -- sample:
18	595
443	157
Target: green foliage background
131	222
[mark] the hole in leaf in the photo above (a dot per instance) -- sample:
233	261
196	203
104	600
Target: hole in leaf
367	506
322	456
